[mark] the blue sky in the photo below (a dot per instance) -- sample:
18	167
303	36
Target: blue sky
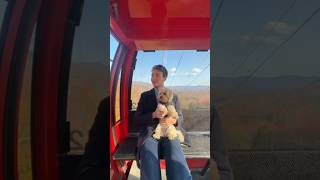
113	46
193	70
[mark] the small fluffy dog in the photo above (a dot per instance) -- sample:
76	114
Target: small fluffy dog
165	105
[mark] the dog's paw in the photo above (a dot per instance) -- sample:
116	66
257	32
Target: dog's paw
156	136
181	139
180	136
172	135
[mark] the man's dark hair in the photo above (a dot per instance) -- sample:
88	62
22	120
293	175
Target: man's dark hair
161	68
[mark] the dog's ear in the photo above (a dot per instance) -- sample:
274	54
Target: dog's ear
170	94
162	89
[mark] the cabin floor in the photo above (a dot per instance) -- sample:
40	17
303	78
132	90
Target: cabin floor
135	174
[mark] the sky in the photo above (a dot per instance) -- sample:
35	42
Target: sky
244	25
241	27
193	69
113	46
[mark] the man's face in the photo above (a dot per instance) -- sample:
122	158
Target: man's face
157	78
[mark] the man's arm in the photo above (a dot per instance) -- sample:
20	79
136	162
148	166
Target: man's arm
141	117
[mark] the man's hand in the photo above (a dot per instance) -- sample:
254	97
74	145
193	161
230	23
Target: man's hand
167	121
157	114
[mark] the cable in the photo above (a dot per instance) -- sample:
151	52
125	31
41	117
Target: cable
215	18
274	51
190	82
264	37
173	78
163	56
203	69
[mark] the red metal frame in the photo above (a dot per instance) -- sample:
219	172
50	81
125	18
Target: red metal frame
4	72
48	52
192	163
21	19
115	63
162	24
122	126
115	165
6	59
117	32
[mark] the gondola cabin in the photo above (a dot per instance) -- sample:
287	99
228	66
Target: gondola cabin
53	74
149	33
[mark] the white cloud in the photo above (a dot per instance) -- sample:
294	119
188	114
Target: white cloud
196	70
254	40
250	40
278	27
173	70
275	30
173	74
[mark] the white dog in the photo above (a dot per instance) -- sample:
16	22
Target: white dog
165	106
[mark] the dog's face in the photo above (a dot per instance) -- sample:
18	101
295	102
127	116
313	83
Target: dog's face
165	96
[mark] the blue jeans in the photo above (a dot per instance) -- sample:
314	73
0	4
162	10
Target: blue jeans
176	164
